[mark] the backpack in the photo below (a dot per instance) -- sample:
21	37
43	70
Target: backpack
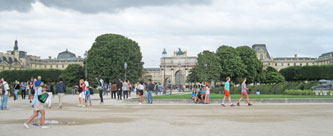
91	91
2	87
43	97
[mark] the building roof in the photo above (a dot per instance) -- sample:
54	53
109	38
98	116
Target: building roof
66	55
152	69
326	55
258	47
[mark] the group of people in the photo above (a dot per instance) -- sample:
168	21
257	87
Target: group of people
204	95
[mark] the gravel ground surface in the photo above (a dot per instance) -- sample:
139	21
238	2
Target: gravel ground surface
118	119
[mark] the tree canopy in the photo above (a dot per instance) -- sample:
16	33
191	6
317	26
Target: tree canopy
72	74
231	63
107	57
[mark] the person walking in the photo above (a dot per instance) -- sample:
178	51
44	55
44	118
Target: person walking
81	93
38	107
23	89
119	89
101	89
140	92
244	92
113	90
227	92
150	89
31	89
4	87
125	90
17	88
49	91
61	89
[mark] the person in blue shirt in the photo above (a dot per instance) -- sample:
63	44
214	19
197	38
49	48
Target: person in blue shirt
87	96
227	92
37	105
23	88
194	96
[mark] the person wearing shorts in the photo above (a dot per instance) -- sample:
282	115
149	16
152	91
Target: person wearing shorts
82	93
141	88
227	92
244	93
38	107
207	93
87	96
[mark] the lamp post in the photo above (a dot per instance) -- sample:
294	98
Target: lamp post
164	54
125	67
86	64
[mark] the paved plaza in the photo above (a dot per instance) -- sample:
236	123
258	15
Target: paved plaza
115	118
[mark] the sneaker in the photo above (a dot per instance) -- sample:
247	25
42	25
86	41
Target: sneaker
60	107
238	104
232	105
79	105
222	105
45	127
249	104
35	124
26	125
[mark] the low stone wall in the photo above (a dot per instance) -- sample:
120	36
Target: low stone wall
218	101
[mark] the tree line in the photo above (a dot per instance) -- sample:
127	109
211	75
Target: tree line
233	62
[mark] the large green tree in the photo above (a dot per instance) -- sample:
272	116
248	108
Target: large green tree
208	67
72	74
253	65
231	64
107	57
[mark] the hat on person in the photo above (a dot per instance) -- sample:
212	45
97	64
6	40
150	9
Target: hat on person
38	82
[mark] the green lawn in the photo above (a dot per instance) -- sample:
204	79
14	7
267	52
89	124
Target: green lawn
237	96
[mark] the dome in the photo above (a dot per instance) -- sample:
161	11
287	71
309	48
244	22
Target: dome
66	55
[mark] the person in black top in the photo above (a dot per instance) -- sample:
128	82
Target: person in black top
17	87
119	89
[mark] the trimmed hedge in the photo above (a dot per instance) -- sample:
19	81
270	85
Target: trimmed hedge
25	75
308	73
299	92
279	88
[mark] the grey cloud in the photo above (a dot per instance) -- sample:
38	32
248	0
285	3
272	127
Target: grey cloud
18	5
90	6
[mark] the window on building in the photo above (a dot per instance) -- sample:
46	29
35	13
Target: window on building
57	66
51	66
294	64
288	64
63	66
301	64
281	64
275	64
307	64
261	57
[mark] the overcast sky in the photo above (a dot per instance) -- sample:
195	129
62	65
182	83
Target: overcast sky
287	27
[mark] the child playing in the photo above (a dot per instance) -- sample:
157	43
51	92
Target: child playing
87	96
227	92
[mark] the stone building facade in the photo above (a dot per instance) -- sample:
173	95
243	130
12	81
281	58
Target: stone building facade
19	60
176	69
284	62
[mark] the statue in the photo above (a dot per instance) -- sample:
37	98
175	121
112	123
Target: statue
179	52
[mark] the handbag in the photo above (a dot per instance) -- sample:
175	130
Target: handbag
42	98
